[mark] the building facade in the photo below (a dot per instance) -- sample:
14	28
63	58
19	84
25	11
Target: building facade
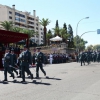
22	20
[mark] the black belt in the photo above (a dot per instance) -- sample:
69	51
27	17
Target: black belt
6	61
25	60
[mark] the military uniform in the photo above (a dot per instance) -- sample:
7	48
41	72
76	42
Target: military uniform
25	62
14	57
39	63
82	58
33	58
8	62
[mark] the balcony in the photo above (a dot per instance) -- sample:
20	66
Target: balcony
30	24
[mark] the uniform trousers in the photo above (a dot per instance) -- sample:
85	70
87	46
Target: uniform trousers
7	69
37	69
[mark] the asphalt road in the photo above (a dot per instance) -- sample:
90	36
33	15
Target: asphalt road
68	81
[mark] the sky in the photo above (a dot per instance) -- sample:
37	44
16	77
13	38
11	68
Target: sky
65	11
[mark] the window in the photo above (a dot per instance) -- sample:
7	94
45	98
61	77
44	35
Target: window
30	22
10	12
30	18
37	28
18	14
42	33
10	17
41	36
22	20
17	19
41	40
37	24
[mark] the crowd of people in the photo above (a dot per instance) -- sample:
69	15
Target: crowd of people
22	59
23	62
15	48
88	56
56	58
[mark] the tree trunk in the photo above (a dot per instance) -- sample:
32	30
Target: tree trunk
45	30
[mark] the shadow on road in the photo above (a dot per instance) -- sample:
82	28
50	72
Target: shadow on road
19	82
41	83
52	78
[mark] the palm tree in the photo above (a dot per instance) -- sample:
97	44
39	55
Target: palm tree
44	23
16	29
48	36
7	25
56	31
29	32
64	35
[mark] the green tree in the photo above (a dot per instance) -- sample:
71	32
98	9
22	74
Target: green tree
44	23
48	36
57	25
29	32
80	43
65	27
17	29
64	35
7	25
70	31
96	47
56	31
89	47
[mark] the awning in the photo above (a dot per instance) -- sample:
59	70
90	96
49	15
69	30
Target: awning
57	38
11	37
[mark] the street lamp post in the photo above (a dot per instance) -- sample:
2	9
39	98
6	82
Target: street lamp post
83	34
77	29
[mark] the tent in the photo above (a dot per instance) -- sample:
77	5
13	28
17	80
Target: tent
7	37
57	38
11	37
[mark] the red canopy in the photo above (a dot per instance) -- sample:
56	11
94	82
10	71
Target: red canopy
11	37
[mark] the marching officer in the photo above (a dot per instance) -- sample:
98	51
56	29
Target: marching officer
14	61
39	62
26	62
82	58
8	62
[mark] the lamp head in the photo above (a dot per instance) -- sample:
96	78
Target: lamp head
86	17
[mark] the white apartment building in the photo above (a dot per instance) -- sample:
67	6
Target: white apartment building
22	20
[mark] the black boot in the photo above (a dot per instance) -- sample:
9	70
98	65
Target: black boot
31	76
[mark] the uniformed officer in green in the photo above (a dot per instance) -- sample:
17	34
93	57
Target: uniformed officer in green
8	62
39	62
14	61
82	58
26	62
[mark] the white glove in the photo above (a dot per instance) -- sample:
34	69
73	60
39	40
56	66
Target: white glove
42	64
30	65
10	66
